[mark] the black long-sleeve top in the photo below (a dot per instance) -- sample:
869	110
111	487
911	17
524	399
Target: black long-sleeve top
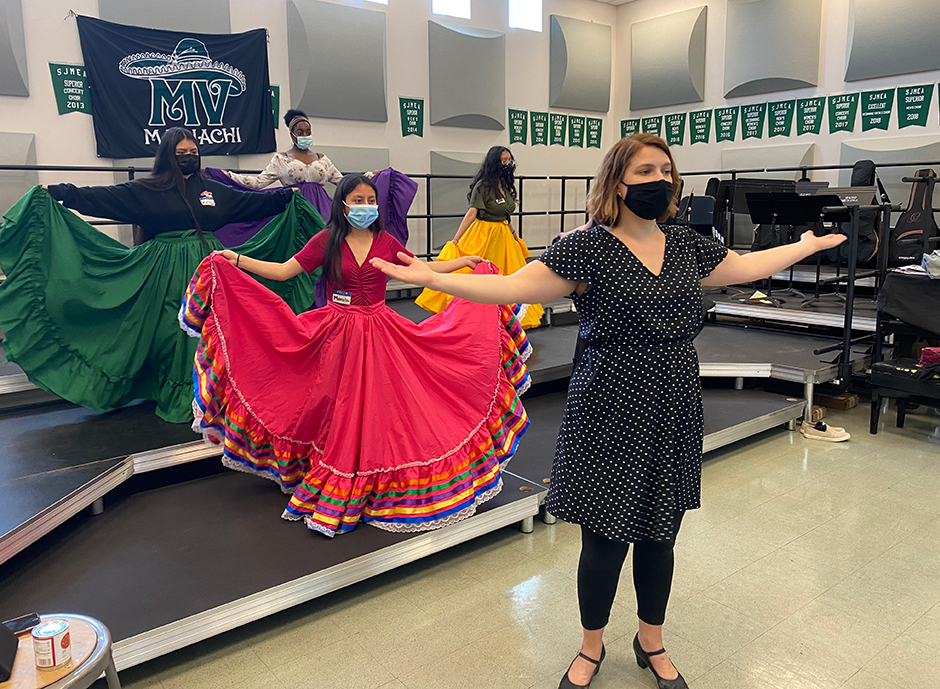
213	204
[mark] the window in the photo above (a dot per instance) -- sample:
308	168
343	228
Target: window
452	8
525	14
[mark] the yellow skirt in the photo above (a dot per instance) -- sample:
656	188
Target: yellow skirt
494	242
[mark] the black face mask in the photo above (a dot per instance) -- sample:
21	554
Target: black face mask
650	199
188	163
507	170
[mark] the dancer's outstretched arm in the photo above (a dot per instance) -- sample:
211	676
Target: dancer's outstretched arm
266	269
533	284
470	262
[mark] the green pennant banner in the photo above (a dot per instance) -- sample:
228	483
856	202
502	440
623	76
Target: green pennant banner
700	124
70	83
628	127
539	125
276	104
594	132
809	114
412	116
876	109
726	123
752	120
675	129
559	123
842	110
518	126
780	117
913	105
653	125
576	131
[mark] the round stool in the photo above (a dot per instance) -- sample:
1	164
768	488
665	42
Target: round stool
91	655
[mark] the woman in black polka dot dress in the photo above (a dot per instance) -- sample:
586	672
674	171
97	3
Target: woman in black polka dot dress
628	459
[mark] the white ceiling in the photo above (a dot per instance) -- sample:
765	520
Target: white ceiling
614	2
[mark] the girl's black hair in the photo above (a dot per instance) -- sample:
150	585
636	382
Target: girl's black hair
166	173
291	114
491	173
338	227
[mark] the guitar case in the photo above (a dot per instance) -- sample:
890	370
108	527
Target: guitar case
906	244
869	222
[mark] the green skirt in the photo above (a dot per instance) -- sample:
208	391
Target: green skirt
96	323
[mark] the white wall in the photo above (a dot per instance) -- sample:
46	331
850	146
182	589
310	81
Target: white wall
832	57
69	139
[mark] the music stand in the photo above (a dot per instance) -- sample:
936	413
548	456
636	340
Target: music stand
787	209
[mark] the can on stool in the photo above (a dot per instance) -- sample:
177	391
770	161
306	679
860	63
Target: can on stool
52	647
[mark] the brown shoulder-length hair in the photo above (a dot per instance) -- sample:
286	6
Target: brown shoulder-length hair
603	205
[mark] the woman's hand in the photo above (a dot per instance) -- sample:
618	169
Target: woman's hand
414	272
816	244
229	256
472	261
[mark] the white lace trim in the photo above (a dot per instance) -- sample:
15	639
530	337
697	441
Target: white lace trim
192	332
469	511
230	463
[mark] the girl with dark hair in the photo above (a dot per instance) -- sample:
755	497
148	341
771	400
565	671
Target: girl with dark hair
95	322
628	461
357	412
486	230
298	163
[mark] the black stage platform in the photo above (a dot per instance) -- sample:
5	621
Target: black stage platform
167	567
828	312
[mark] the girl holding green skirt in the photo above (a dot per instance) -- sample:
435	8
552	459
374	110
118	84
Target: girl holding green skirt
95	322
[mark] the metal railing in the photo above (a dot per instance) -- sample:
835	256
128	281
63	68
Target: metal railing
564	181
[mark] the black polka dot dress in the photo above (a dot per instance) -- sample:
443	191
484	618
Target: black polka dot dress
629	450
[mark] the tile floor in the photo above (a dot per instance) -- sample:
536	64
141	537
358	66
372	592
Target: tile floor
811	565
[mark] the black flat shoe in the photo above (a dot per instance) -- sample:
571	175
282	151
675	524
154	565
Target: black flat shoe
643	660
568	684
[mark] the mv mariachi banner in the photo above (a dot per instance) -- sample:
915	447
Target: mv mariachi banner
144	81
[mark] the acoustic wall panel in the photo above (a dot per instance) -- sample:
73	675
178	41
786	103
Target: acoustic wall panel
450	195
353	159
336	61
16	149
897	149
467	73
771	45
791	155
204	16
667	63
579	64
888	38
13	76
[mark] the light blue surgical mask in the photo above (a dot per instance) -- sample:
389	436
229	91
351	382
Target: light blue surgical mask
304	142
362	215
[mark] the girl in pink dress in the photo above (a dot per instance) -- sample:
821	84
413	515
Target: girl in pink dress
356	411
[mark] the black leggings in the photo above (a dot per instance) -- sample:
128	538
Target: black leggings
599	572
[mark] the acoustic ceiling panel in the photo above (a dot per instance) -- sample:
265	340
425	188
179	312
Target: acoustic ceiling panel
336	61
449	196
467	72
204	16
667	64
896	149
579	64
791	155
888	38
771	45
16	149
13	76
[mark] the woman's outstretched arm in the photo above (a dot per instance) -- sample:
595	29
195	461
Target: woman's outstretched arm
533	284
265	269
736	269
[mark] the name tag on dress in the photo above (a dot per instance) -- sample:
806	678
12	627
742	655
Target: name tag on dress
344	298
205	198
